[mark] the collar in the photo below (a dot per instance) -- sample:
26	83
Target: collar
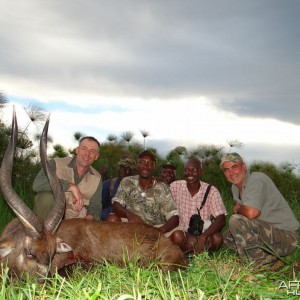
73	165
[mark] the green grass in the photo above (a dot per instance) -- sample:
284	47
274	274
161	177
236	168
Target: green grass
221	276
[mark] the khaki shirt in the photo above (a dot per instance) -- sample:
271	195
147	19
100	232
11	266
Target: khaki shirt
154	205
90	186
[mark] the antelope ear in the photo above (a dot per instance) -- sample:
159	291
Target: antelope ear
6	247
62	247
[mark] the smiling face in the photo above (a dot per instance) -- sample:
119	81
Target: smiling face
192	171
235	172
87	152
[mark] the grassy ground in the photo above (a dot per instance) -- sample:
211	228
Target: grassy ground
221	276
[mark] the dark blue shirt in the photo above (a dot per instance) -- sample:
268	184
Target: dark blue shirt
108	192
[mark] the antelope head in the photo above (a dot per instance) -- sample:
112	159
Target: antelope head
27	244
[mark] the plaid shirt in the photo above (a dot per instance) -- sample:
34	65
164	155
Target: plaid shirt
187	205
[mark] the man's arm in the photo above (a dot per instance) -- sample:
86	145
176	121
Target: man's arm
247	211
216	226
170	224
122	212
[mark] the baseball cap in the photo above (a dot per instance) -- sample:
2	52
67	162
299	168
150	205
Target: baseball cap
149	153
168	164
127	161
233	157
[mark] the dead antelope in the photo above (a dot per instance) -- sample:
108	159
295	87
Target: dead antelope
28	245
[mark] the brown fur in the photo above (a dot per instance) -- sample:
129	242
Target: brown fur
118	242
91	241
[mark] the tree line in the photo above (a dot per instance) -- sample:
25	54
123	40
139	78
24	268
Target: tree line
27	162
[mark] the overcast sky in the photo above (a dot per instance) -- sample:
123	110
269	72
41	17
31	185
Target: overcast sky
189	72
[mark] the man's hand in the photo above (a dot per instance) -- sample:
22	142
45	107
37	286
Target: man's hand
200	244
246	211
161	229
77	197
89	217
172	223
236	208
133	217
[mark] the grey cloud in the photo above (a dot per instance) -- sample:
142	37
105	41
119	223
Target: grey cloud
282	107
243	53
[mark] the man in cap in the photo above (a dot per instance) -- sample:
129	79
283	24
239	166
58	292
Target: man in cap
142	198
126	167
263	225
167	173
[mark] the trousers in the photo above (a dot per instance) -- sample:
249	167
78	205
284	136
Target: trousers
254	239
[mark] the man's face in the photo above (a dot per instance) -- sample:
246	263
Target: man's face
168	175
235	172
145	166
124	171
192	172
86	153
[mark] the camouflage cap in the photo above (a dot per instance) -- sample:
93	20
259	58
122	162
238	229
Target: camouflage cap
233	157
127	161
149	153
